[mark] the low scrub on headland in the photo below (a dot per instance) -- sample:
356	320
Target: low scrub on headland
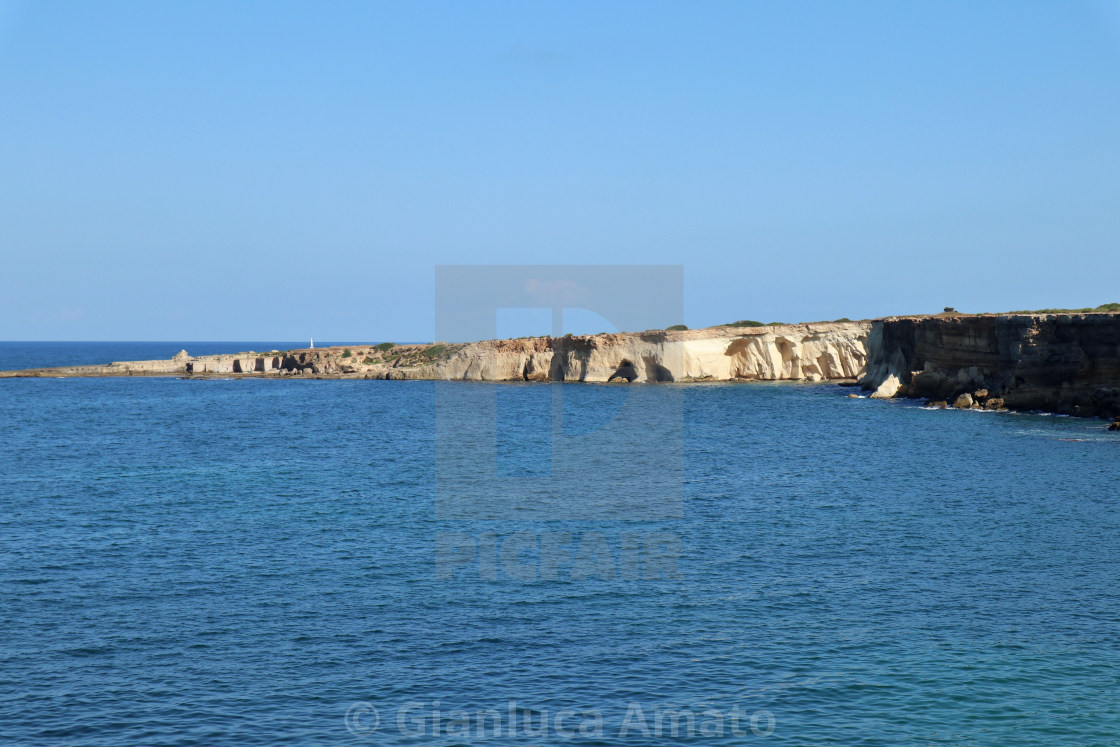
435	352
751	323
1104	307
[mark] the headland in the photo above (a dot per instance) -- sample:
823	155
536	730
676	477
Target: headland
1061	362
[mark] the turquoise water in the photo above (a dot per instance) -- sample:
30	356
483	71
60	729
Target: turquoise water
255	562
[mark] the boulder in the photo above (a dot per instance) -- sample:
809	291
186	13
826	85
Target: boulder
939	404
1115	426
888	389
963	402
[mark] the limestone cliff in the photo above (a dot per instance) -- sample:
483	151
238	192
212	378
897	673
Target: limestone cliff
1065	363
812	352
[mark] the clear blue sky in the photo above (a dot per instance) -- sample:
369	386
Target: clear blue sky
279	170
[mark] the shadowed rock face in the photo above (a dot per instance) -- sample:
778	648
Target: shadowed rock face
1066	363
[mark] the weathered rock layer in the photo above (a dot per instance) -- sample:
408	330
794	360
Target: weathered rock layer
1064	363
807	352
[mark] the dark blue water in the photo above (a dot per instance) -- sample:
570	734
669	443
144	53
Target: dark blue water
241	562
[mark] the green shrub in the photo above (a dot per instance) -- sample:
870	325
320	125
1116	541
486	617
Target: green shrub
1056	311
385	346
843	319
676	328
346	353
1087	309
745	323
433	352
367	361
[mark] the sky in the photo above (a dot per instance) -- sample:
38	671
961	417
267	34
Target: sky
285	170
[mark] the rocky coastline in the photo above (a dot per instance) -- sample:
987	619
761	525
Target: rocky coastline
1059	363
800	352
1065	363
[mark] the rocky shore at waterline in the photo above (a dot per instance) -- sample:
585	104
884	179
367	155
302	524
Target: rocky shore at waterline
798	352
1052	362
1065	363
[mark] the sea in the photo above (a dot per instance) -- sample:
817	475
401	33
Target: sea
284	562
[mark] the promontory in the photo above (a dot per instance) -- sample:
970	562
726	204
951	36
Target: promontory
1066	362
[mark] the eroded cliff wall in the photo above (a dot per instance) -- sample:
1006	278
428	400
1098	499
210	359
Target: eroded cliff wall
1065	363
812	352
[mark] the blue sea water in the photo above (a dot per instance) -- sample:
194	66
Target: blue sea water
189	562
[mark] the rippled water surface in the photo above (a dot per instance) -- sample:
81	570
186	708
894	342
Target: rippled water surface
240	562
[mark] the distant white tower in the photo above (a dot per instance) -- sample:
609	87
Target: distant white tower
312	342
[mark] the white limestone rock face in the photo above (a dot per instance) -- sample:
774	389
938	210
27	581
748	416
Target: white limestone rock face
888	389
804	352
213	364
